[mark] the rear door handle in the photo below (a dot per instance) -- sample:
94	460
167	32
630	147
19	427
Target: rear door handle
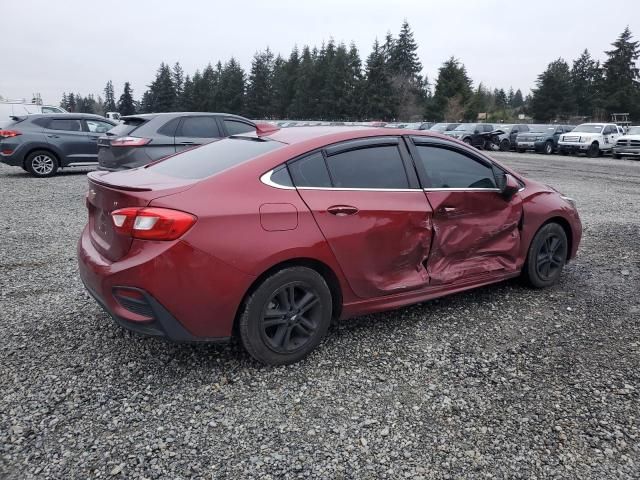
445	211
53	136
342	210
187	143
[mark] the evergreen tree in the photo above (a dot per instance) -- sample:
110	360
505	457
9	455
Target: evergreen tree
71	103
187	98
162	93
302	104
260	85
405	71
553	97
109	97
585	83
207	90
621	90
518	100
378	96
177	75
403	57
452	81
510	96
500	99
126	105
355	83
232	87
64	102
279	88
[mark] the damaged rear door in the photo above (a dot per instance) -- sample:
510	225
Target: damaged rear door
365	197
476	231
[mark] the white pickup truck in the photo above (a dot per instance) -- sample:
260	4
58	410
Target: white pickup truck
590	138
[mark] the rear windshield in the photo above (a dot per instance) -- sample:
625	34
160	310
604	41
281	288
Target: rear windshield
465	127
542	128
125	128
214	157
587	128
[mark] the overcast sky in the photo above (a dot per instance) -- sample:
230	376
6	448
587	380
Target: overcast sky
77	45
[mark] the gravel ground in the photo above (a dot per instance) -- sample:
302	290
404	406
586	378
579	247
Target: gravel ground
503	382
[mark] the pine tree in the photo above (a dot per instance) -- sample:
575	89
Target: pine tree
452	81
500	99
403	57
207	93
378	95
64	102
71	103
405	72
510	96
232	87
553	97
109	97
177	75
162	93
187	98
621	89
260	87
355	83
302	105
518	100
279	88
126	105
585	83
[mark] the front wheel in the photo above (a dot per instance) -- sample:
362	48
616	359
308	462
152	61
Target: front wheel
41	164
548	148
286	317
593	151
546	257
505	145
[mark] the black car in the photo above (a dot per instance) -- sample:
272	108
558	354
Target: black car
471	133
41	144
541	138
141	139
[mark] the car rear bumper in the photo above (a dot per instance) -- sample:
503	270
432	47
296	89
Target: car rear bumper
180	292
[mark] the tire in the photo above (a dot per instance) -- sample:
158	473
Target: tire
546	257
295	327
505	145
467	140
548	148
41	163
593	151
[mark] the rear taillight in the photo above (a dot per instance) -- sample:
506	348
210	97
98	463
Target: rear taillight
9	133
152	223
129	142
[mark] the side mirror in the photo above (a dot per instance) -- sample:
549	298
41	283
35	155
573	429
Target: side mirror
510	186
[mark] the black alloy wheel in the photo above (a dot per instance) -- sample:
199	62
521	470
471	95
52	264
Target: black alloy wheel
547	256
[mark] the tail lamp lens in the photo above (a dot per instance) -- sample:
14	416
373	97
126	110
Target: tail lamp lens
9	133
152	223
129	142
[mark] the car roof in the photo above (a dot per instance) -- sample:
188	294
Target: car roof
68	116
182	114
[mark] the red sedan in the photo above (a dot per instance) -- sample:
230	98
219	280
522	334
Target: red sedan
273	235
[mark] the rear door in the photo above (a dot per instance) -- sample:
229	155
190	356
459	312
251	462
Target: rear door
67	135
94	130
476	230
366	200
233	126
196	130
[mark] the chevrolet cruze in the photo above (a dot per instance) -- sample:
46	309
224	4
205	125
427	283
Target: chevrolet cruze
271	235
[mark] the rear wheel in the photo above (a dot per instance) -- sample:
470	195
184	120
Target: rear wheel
547	256
505	145
286	317
593	151
548	147
41	163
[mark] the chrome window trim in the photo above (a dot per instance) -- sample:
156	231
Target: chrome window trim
358	189
266	179
461	189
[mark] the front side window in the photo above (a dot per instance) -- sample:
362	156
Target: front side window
96	126
373	167
199	127
448	168
237	128
68	125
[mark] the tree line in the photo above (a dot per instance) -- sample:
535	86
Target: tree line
333	83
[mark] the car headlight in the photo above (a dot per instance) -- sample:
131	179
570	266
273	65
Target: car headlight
539	138
569	200
585	139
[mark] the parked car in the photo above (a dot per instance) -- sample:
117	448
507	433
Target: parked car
141	139
541	138
470	133
21	109
590	138
41	144
426	125
511	131
628	144
443	127
273	236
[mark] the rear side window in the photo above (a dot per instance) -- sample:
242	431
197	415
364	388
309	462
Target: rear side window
96	126
169	128
310	171
124	129
237	128
451	169
68	125
199	127
213	157
374	167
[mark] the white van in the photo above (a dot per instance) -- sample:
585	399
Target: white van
20	109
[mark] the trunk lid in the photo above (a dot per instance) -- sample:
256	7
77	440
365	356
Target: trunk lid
112	191
110	158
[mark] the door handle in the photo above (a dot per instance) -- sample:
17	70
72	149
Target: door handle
445	211
187	143
53	136
342	210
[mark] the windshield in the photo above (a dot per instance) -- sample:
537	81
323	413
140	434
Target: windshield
465	127
542	128
588	128
214	157
633	131
439	127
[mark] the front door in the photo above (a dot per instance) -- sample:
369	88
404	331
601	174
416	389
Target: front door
366	200
476	230
196	130
67	136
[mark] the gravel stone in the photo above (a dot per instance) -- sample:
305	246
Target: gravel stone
501	382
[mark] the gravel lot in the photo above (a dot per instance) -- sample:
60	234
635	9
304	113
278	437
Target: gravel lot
503	382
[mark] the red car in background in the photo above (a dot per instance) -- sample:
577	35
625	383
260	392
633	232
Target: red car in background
272	235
